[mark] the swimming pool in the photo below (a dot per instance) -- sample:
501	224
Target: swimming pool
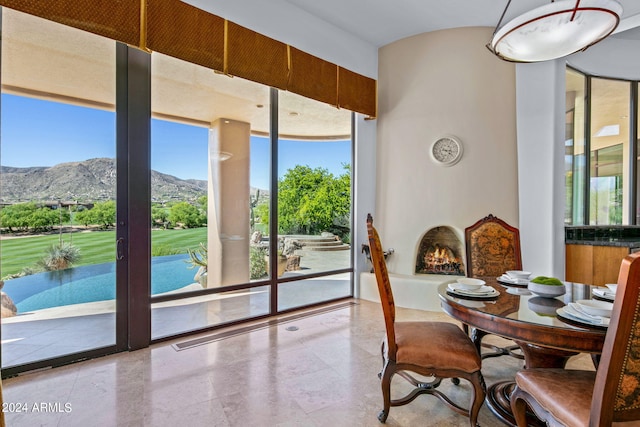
91	283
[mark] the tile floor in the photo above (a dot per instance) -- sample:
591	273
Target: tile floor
317	370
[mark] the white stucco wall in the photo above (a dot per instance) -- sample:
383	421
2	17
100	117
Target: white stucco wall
437	83
540	108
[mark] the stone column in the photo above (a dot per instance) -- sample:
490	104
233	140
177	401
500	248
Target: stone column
228	204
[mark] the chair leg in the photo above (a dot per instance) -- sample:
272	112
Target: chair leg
519	409
477	398
387	372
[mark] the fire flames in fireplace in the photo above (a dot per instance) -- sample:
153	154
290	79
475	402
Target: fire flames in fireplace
440	252
442	261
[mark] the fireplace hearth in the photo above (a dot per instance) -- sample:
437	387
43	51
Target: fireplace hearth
440	252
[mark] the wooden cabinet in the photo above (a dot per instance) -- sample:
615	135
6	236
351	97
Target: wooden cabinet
593	265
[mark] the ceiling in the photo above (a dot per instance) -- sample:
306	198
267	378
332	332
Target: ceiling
380	22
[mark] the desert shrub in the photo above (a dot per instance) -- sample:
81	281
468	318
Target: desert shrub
257	263
59	256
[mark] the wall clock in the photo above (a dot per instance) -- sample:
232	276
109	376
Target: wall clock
446	151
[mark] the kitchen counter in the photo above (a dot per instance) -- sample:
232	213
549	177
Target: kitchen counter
618	236
593	253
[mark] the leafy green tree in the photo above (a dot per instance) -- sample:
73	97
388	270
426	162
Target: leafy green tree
83	217
102	213
25	216
159	215
186	214
14	217
313	200
203	204
43	219
105	213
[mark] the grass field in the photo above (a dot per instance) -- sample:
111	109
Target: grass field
96	247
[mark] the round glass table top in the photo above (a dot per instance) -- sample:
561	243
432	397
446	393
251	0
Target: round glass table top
519	304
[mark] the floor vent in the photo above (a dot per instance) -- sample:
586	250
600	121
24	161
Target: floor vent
185	345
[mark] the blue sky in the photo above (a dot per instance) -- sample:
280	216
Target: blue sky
43	133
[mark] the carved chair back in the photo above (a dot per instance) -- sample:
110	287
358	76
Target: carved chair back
616	393
493	247
384	286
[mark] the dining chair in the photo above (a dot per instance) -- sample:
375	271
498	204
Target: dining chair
436	350
493	247
611	394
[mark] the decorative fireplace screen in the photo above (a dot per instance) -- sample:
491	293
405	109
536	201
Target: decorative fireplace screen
440	252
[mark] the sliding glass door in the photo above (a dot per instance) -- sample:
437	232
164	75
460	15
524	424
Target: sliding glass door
58	193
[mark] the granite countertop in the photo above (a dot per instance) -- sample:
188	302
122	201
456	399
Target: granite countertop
620	236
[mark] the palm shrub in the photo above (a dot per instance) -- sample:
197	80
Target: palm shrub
59	256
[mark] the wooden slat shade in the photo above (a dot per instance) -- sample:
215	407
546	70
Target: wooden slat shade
115	19
313	77
180	30
255	57
356	92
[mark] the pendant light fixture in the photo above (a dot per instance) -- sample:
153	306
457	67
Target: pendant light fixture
554	30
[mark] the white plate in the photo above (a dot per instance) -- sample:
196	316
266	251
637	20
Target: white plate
483	291
603	293
507	279
612	287
595	307
571	314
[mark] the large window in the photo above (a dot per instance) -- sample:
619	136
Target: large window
600	186
194	200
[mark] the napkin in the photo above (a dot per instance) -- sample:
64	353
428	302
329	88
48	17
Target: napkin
576	311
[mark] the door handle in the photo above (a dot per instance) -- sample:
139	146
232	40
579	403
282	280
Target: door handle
120	249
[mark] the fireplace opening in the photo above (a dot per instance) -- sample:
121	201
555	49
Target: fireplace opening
440	252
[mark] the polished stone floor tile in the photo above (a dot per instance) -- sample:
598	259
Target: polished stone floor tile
315	371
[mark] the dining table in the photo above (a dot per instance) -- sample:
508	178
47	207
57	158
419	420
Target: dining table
538	325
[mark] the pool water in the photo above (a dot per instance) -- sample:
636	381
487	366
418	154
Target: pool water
91	283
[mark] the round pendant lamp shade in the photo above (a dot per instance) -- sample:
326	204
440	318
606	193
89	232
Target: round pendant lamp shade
555	30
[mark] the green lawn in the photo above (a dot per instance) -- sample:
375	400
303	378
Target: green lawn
95	247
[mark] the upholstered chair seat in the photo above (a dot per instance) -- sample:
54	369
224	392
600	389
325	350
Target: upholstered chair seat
563	393
435	345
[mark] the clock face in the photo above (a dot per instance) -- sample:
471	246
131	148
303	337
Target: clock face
446	151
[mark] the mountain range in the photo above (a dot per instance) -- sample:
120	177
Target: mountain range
87	181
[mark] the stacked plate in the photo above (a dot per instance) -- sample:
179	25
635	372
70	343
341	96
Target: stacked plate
474	288
608	293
